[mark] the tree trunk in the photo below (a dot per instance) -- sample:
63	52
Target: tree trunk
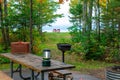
119	27
1	23
6	29
89	20
0	15
98	20
31	36
2	27
90	14
84	15
40	30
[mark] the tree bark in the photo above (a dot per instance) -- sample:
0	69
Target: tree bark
119	27
89	20
6	26
90	14
84	15
2	27
98	20
31	36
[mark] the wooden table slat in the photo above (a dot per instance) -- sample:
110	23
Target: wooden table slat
35	62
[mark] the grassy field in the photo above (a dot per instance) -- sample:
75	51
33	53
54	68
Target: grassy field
52	39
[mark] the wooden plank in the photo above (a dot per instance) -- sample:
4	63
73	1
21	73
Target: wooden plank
62	72
35	62
4	76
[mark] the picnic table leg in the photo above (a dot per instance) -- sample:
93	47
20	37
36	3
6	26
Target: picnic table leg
32	75
19	69
64	77
44	75
11	68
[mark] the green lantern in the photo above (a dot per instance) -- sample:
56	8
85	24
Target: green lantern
46	57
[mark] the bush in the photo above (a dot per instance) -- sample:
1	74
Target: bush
4	60
77	48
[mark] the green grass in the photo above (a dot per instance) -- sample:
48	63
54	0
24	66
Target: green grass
7	66
4	66
53	38
91	65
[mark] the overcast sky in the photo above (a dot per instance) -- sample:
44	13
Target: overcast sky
61	23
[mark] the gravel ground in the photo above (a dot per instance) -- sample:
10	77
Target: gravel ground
99	73
93	75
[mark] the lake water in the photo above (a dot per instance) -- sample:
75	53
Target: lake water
50	28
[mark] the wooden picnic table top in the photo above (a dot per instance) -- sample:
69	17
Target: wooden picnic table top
35	62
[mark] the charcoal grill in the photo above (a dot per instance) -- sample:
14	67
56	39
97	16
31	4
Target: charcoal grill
63	47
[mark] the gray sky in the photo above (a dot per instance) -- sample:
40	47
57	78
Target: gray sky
61	23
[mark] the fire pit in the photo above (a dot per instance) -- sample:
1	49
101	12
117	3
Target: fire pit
63	47
113	73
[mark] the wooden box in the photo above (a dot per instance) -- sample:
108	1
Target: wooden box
20	47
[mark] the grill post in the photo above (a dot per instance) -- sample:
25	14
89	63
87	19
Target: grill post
63	47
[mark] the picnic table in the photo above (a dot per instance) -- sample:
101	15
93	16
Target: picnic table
34	63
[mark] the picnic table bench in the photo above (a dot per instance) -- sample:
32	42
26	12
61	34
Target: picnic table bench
62	74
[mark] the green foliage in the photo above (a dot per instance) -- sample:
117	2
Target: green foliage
4	60
18	18
17	21
2	51
44	12
76	11
114	54
78	49
98	37
38	44
94	49
75	33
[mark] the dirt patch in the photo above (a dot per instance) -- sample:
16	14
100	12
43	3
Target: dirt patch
98	73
